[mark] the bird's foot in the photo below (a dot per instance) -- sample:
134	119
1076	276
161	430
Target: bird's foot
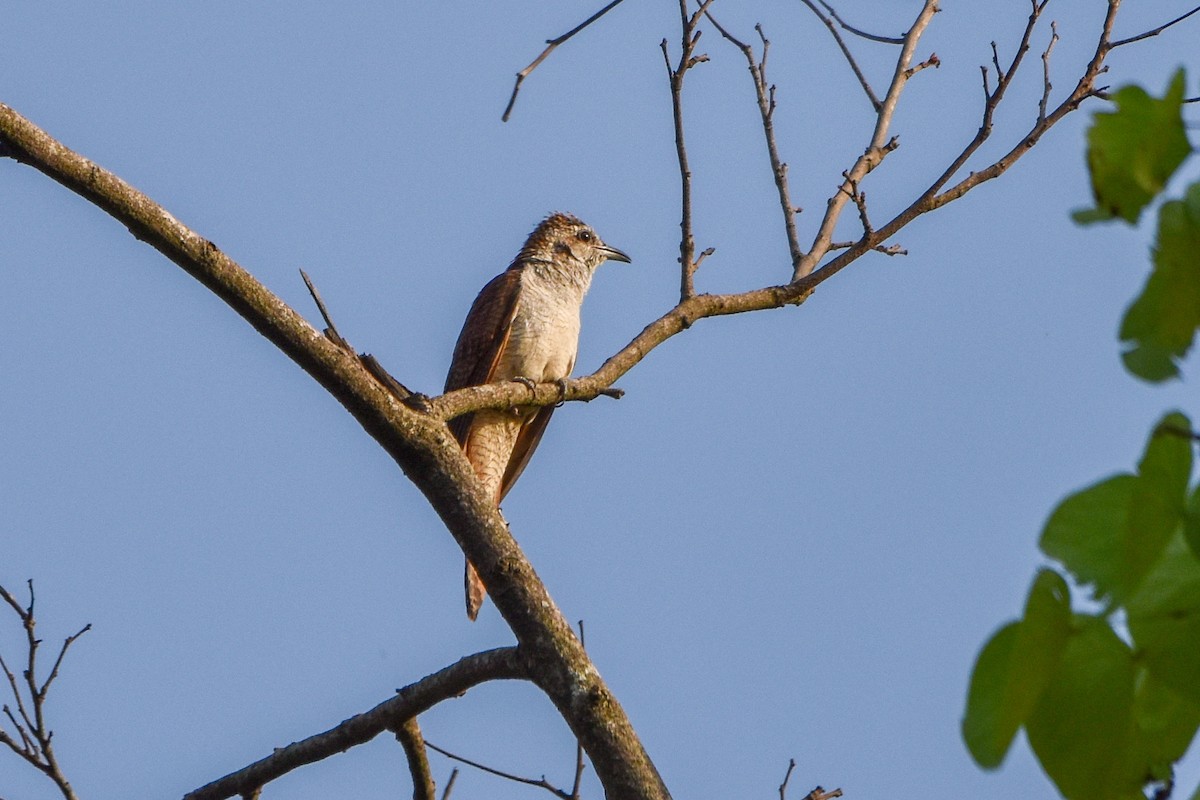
562	391
528	383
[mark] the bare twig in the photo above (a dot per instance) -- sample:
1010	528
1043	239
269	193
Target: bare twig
1046	85
551	44
541	783
787	776
860	201
841	43
1154	31
820	794
385	378
766	109
408	734
857	32
816	794
330	329
689	38
450	784
996	56
579	763
932	61
412	700
32	736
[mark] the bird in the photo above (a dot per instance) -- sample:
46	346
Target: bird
523	326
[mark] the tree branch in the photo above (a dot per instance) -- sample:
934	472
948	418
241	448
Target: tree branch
419	443
1154	31
410	738
502	664
417	438
551	44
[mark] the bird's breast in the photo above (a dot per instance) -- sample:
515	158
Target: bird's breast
544	337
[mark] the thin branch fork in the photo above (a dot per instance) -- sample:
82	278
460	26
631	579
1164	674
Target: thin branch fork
1004	78
936	196
35	745
930	199
394	714
766	108
877	148
1084	88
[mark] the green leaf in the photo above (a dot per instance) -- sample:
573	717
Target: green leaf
1086	216
1161	323
1082	723
1166	723
1167	460
1160	497
1110	534
1164	620
1013	669
1087	531
1191	522
986	727
1133	151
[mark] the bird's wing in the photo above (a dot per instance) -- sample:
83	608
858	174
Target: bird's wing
527	442
482	340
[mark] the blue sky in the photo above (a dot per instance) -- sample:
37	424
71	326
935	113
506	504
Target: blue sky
788	540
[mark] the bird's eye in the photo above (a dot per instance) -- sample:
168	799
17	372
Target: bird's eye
585	235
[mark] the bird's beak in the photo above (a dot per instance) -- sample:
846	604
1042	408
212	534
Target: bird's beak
613	254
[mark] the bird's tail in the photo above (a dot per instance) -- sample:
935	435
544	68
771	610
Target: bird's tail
475	592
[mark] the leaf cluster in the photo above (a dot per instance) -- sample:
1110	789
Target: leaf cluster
1133	152
1110	698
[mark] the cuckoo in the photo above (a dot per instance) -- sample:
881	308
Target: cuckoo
523	326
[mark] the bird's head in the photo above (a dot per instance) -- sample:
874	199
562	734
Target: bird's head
564	239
